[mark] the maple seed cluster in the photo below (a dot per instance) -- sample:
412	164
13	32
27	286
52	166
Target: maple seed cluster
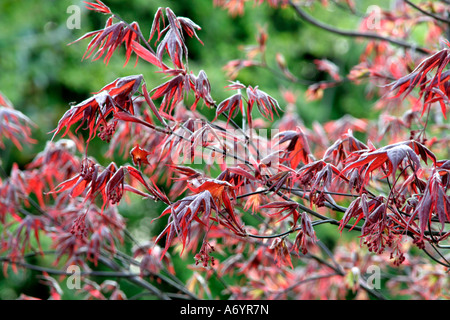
79	228
87	169
204	256
106	132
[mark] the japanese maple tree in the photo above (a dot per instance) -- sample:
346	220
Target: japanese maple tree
245	192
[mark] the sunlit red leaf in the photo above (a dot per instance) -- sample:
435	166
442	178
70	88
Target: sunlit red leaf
433	89
99	7
391	155
146	54
139	156
202	89
282	254
231	105
265	103
433	202
290	207
298	148
15	126
197	207
172	91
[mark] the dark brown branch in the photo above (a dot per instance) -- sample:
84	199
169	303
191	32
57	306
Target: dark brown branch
118	272
271	236
438	18
30	266
137	280
347	33
316	214
298	283
362	282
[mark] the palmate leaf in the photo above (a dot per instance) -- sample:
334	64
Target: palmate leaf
94	111
265	103
281	179
14	126
290	207
359	209
139	156
151	259
174	46
317	175
434	89
392	156
343	147
210	195
298	148
150	186
202	89
231	105
173	42
102	238
99	7
108	182
189	27
76	185
123	87
156	25
187	172
305	233
30	225
197	208
173	91
434	202
105	41
85	111
236	176
219	191
282	255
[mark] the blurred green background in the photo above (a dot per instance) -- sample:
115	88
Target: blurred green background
41	74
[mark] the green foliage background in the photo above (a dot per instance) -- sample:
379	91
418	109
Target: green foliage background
41	74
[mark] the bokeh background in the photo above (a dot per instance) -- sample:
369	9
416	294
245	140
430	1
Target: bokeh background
41	74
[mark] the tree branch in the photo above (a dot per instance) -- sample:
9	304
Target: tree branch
438	18
355	34
271	236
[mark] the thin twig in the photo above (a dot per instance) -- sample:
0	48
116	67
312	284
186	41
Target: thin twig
438	18
298	283
137	280
355	34
341	272
271	236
